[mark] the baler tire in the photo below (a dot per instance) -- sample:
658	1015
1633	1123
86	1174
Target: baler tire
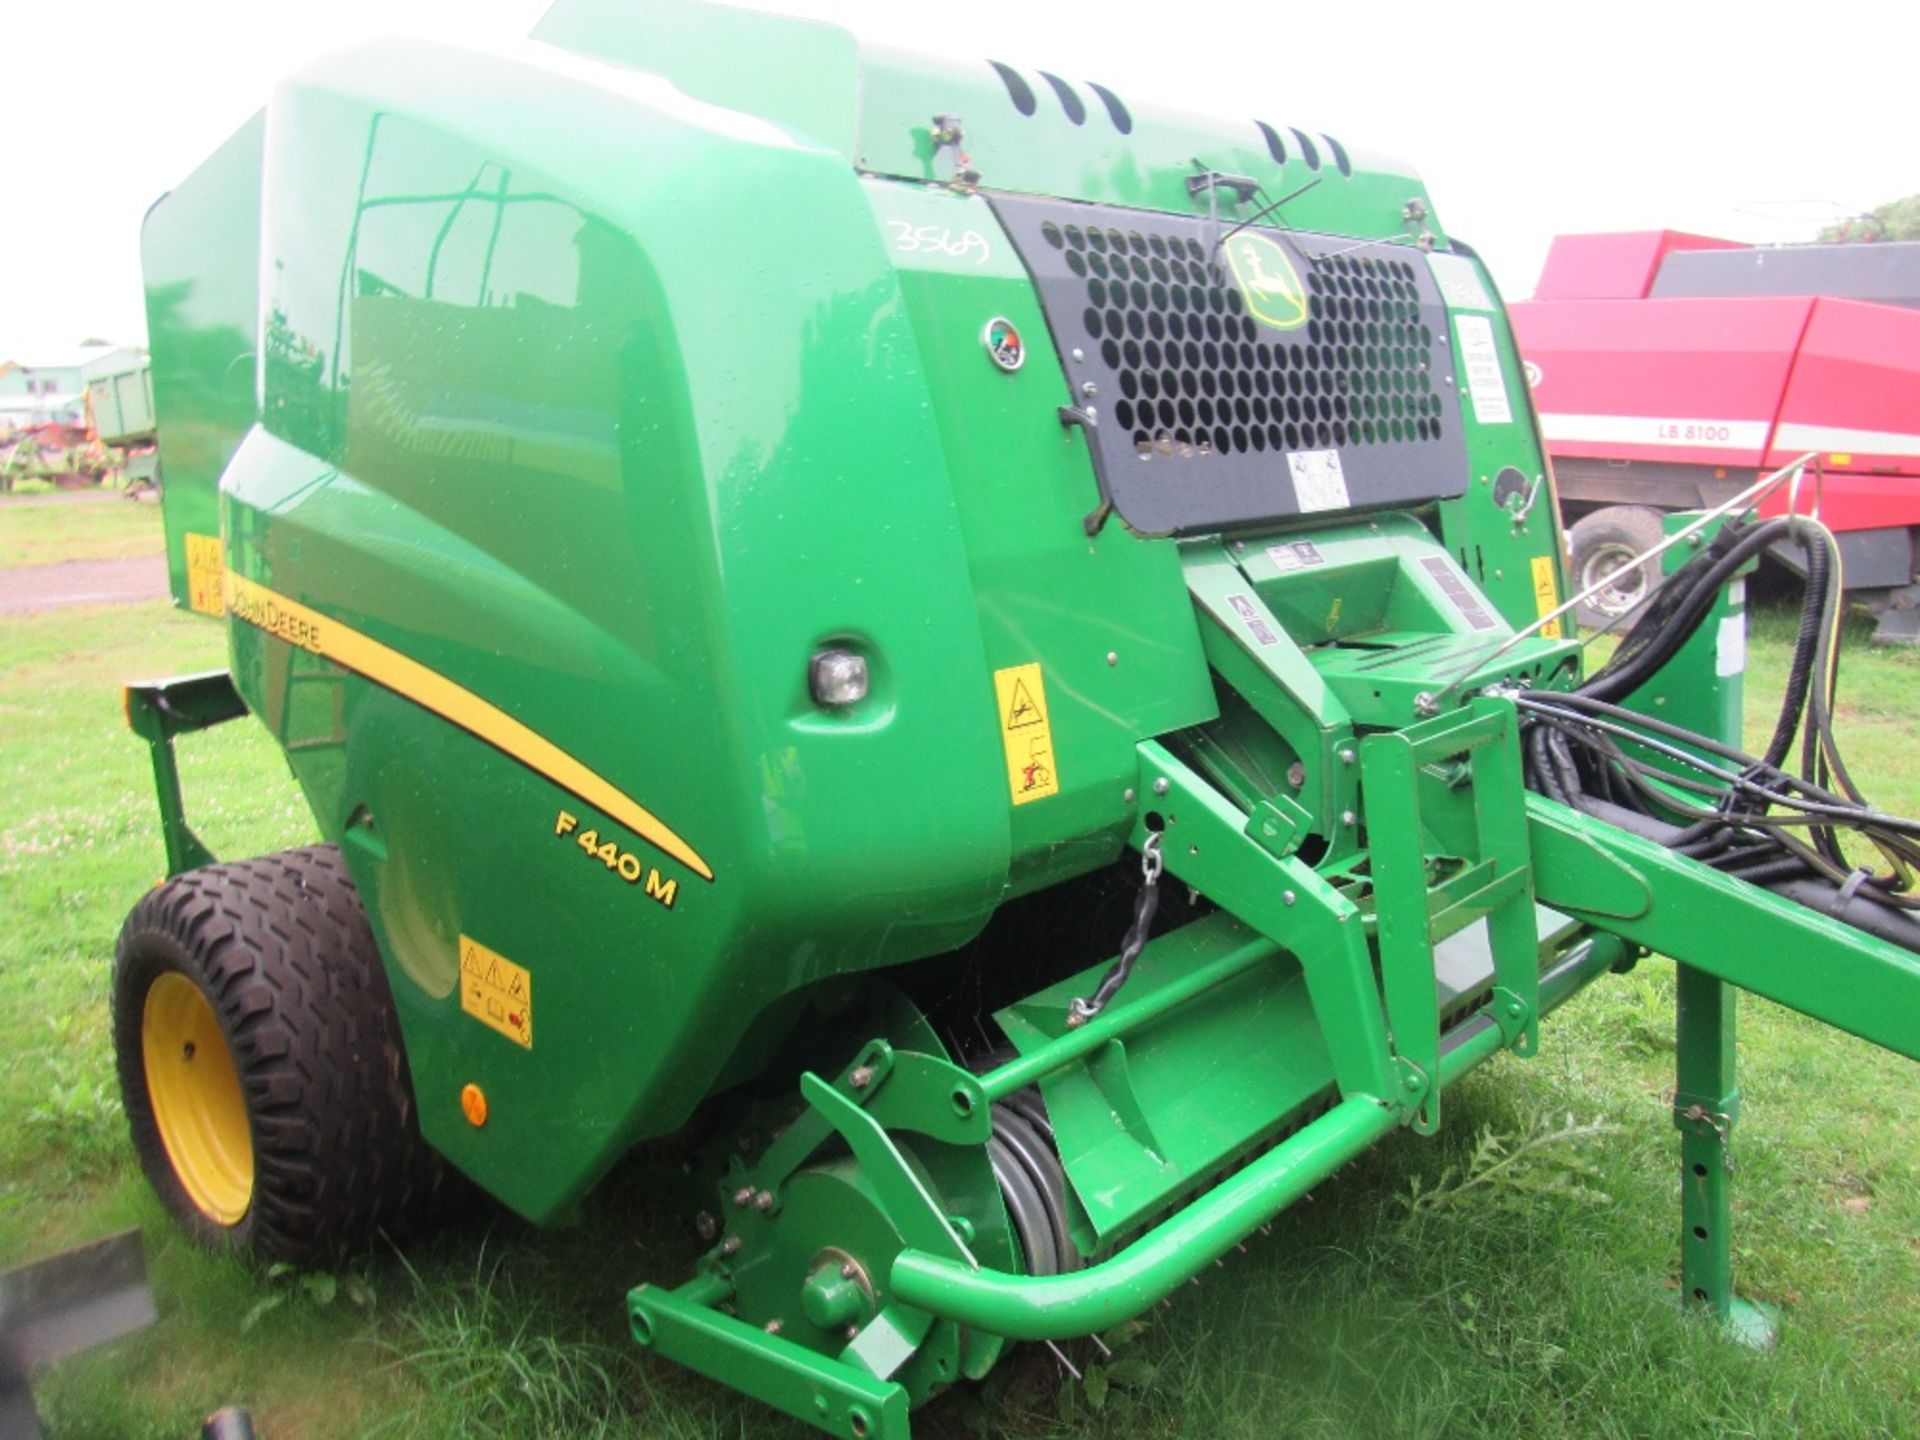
272	961
1623	530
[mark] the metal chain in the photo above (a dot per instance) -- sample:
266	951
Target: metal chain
1082	1010
1150	862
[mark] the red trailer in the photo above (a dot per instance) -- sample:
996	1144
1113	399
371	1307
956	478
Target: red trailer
1672	370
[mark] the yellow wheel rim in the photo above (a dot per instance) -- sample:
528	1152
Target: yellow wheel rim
196	1097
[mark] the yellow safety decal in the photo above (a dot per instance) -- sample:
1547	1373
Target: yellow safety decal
1027	731
205	569
294	623
1546	595
496	992
1268	281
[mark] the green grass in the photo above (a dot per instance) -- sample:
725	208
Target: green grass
1540	1303
104	526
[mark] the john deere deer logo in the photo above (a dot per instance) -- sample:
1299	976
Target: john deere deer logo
1268	282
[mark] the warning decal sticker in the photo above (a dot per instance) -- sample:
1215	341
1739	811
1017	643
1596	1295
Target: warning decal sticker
1546	595
1027	732
496	992
204	574
1254	619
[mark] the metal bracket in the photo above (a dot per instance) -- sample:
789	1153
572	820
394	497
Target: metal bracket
1279	824
908	1205
810	1130
1516	1019
684	1326
1500	883
157	711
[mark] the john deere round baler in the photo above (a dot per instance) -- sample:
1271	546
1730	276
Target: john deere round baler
985	657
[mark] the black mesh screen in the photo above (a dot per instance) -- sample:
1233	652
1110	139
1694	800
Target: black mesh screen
1211	415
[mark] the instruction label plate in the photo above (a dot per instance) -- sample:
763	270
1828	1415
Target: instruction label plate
496	992
1026	729
1319	482
1480	358
1455	589
1295	555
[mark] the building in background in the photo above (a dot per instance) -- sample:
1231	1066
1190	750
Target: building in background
52	390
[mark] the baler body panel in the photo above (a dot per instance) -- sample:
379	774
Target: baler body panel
534	430
1029	132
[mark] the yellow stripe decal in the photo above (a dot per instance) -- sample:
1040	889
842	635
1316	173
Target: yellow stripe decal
294	623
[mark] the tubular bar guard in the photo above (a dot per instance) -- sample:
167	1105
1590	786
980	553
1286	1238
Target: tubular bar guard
1059	1307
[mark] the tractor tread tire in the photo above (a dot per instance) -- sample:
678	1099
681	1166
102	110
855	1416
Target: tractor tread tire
281	947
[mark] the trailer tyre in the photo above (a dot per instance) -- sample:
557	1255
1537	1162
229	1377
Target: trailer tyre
260	1060
1603	543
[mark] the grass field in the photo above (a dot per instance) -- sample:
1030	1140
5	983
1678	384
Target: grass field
1537	1302
105	525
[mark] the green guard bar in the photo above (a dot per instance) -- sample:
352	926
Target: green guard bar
1059	1307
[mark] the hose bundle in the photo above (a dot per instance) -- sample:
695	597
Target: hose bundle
1742	814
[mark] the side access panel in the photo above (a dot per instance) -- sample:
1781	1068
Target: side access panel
200	250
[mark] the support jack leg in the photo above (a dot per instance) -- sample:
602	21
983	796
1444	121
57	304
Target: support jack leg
1706	1105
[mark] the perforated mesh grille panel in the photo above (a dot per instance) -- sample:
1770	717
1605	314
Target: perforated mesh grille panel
1216	412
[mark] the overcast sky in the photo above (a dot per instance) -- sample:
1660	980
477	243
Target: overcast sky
1755	121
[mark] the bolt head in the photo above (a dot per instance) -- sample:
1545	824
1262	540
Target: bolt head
1079	354
730	1245
763	1200
743	1196
1347	817
860	1077
772	1327
705	1226
1129	796
1296	774
853	1332
1113	657
1346	754
1287	897
1160	786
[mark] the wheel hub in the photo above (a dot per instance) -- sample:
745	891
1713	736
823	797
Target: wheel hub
197	1104
1627	582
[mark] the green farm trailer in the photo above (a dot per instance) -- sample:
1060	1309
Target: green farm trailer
982	665
120	405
